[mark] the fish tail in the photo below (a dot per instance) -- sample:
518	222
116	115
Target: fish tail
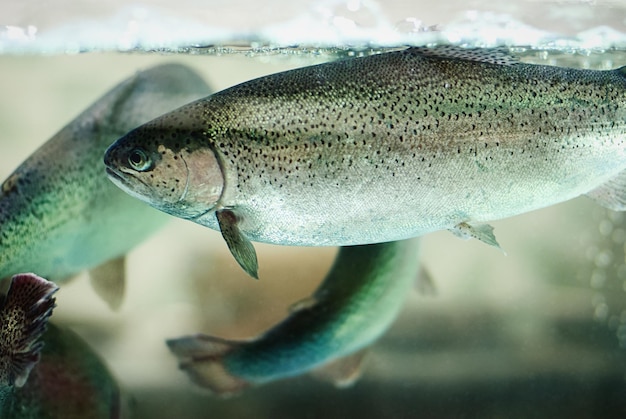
202	358
24	315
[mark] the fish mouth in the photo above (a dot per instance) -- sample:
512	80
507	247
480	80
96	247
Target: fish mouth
121	180
117	178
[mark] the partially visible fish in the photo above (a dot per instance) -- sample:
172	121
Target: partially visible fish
69	382
382	148
24	313
60	215
357	302
47	372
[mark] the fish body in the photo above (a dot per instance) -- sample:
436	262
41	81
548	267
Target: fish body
47	372
59	214
382	148
24	314
357	302
70	381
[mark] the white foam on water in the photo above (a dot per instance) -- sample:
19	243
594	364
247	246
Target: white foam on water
72	26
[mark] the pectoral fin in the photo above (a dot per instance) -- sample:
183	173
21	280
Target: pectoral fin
611	194
23	319
109	281
343	372
482	232
239	245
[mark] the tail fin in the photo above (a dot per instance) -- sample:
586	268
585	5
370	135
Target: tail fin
202	358
23	318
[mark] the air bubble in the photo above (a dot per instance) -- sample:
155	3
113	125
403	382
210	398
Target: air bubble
601	312
605	227
616	216
598	279
619	236
603	259
597	299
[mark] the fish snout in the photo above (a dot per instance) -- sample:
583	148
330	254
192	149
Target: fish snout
110	157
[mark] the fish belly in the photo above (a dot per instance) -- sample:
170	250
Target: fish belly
431	191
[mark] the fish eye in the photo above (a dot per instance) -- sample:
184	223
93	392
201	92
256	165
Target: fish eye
139	160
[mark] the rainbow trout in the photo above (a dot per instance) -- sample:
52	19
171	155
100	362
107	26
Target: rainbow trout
382	148
60	215
47	372
70	381
357	302
24	314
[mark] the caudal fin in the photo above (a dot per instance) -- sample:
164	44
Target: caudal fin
24	314
202	358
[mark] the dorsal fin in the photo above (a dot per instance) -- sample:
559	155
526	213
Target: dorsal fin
499	55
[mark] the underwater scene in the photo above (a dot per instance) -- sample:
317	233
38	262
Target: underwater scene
313	209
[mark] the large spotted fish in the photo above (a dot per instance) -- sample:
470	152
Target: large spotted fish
382	148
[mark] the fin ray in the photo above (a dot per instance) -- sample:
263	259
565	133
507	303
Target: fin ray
611	194
482	232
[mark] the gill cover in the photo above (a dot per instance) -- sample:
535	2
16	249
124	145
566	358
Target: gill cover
182	181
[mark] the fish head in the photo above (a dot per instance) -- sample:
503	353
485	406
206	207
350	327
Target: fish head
167	167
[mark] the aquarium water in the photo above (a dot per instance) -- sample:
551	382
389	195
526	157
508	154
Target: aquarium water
538	332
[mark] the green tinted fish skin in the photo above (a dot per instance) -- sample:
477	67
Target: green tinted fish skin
357	302
69	382
382	148
59	214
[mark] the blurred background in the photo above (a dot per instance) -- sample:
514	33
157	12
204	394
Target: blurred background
538	332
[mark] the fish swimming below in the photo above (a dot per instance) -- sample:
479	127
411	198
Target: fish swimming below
328	332
382	148
69	382
48	372
24	314
59	214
